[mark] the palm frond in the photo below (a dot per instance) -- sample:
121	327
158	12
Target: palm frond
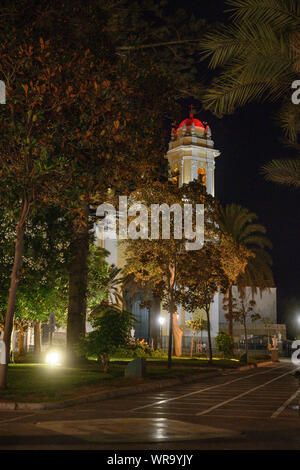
253	228
256	240
289	120
241	225
283	171
253	79
278	13
222	45
259	54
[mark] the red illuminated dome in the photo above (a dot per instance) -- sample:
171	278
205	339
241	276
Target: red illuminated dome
191	120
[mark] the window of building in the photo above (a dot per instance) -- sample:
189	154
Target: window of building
202	173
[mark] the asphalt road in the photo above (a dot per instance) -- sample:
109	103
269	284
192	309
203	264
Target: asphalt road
255	409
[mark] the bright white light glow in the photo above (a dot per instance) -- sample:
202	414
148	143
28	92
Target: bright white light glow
53	358
161	320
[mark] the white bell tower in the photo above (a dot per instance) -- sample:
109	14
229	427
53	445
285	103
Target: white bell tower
191	152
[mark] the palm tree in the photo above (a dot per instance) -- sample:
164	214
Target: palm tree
241	224
259	54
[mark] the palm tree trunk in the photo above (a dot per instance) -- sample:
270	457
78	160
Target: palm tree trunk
13	289
78	272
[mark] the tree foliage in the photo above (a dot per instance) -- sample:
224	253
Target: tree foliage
110	331
160	262
225	343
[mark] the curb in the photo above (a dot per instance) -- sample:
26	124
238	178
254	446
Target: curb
106	395
267	363
259	364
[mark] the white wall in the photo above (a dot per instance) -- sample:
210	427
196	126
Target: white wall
266	304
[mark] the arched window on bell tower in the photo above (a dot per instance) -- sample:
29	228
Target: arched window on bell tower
175	174
202	174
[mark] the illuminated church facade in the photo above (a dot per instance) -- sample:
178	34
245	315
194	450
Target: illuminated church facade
191	152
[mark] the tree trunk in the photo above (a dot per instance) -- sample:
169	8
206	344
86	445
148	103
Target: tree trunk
209	335
171	281
192	345
78	272
21	341
177	334
246	339
37	337
230	312
105	362
13	289
170	340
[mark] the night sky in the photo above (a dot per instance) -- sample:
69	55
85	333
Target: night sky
247	140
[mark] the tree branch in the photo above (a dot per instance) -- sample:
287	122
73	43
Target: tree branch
157	44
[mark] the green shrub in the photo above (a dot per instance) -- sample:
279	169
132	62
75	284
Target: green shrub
123	352
158	353
138	348
225	344
111	331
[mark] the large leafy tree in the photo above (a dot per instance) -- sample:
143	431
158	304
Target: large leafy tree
208	270
129	123
28	169
78	133
201	280
159	262
258	52
37	155
43	282
130	111
243	311
242	226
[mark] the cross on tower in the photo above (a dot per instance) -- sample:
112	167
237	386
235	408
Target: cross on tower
192	107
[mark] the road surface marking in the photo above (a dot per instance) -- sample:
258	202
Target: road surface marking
242	394
202	390
285	404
